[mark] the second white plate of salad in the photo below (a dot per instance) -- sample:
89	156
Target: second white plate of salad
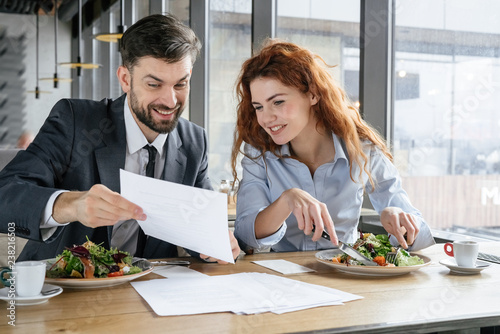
327	255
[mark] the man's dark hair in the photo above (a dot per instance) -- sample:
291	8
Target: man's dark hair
159	36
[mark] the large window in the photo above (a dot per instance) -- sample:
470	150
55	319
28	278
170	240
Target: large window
229	46
447	132
328	28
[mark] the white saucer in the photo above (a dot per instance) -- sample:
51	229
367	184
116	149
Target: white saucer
40	299
454	268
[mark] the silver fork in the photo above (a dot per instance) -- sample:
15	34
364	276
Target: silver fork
392	256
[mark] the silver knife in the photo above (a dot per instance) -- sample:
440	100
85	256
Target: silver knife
137	260
174	262
351	251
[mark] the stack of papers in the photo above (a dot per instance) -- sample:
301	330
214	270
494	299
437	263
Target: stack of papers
244	293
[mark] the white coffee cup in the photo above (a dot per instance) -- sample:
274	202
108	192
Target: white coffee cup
27	277
464	252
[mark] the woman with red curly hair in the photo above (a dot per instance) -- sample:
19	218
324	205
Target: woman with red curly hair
308	158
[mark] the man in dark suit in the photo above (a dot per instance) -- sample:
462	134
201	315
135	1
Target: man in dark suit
65	186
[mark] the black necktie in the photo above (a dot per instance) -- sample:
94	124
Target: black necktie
150	171
150	167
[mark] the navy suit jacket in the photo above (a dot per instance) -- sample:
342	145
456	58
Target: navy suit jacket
83	143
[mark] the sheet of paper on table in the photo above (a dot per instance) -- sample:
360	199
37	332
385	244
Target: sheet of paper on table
283	266
177	272
185	216
244	293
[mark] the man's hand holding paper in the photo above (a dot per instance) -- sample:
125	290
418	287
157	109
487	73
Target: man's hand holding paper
186	216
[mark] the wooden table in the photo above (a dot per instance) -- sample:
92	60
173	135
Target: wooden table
428	300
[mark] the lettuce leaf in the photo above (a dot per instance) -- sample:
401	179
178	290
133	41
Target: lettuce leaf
404	259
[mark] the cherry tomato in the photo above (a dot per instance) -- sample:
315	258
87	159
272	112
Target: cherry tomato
116	273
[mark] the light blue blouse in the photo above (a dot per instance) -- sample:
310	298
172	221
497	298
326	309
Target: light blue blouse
265	178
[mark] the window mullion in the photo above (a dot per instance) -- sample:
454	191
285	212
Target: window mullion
199	21
263	21
376	65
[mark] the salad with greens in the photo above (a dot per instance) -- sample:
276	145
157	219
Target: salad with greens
91	261
376	247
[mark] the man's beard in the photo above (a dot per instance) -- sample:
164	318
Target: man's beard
145	116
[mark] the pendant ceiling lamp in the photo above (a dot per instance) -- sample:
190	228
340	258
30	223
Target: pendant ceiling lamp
56	79
37	91
79	65
114	37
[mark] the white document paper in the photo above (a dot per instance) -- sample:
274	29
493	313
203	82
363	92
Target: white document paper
244	293
177	272
182	296
283	266
271	293
185	216
343	297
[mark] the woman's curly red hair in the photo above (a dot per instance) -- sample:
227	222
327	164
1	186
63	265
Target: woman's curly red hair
297	67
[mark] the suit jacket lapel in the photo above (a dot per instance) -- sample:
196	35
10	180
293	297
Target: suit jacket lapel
175	159
111	157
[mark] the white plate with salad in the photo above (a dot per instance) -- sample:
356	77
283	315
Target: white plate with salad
91	266
327	255
374	247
